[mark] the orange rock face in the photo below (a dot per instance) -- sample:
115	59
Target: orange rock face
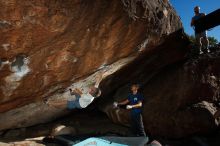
47	45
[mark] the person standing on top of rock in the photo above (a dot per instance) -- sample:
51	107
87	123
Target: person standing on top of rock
135	100
82	99
202	41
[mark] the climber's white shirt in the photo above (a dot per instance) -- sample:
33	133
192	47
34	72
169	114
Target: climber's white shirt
85	100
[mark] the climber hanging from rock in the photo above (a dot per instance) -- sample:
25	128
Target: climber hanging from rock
82	100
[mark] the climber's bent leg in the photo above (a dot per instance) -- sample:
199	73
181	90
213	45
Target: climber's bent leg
72	104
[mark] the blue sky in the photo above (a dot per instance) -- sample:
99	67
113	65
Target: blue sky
184	9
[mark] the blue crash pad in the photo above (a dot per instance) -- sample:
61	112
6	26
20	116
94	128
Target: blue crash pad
97	142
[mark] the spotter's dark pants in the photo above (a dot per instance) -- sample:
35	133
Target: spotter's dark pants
137	125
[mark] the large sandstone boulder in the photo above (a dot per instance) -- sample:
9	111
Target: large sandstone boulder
180	99
173	49
48	46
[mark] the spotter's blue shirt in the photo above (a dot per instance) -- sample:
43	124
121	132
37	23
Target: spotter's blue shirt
135	99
